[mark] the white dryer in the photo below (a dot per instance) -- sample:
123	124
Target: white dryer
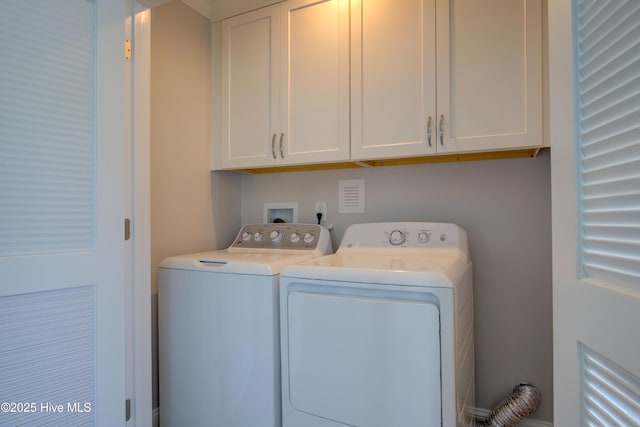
381	332
218	326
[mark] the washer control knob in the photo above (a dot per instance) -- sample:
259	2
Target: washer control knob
397	237
275	236
295	237
423	237
257	236
309	237
246	236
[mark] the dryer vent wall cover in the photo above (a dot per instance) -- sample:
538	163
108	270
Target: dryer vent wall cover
351	193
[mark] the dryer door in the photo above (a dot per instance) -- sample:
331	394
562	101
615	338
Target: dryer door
364	360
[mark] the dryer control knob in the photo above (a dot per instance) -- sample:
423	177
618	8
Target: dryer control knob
258	236
275	236
309	237
397	237
246	236
423	237
295	237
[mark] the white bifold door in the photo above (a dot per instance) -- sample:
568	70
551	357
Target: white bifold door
595	166
62	97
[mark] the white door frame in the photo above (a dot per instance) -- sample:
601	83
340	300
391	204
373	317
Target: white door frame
138	297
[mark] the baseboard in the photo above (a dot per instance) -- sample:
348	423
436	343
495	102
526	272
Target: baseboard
527	422
156	417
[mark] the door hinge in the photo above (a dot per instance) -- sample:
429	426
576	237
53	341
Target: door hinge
127	229
127	410
127	49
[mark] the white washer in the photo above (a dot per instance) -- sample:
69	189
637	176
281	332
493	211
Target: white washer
218	326
381	332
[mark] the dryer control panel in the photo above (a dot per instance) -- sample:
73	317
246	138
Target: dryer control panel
407	235
281	236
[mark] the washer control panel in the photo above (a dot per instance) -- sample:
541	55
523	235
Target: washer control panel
279	236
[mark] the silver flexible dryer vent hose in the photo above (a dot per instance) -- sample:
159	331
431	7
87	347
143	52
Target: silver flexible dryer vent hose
522	402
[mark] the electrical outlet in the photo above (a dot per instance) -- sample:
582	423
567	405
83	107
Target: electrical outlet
321	207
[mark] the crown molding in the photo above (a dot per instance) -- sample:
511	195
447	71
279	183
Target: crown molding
216	10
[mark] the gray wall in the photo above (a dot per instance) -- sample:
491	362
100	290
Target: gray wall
184	191
504	205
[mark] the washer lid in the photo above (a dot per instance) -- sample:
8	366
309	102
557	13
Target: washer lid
266	263
441	269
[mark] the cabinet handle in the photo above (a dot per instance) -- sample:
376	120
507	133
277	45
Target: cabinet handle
429	130
273	146
441	129
281	147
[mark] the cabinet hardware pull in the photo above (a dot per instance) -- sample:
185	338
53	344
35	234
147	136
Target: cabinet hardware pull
281	147
441	129
429	130
273	146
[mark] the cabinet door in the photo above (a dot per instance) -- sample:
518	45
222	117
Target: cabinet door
314	97
489	74
393	78
250	60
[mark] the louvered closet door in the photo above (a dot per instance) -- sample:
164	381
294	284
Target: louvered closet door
61	212
595	155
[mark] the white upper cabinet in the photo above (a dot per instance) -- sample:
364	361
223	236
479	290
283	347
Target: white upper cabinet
322	81
285	85
250	61
393	84
314	95
489	86
445	76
